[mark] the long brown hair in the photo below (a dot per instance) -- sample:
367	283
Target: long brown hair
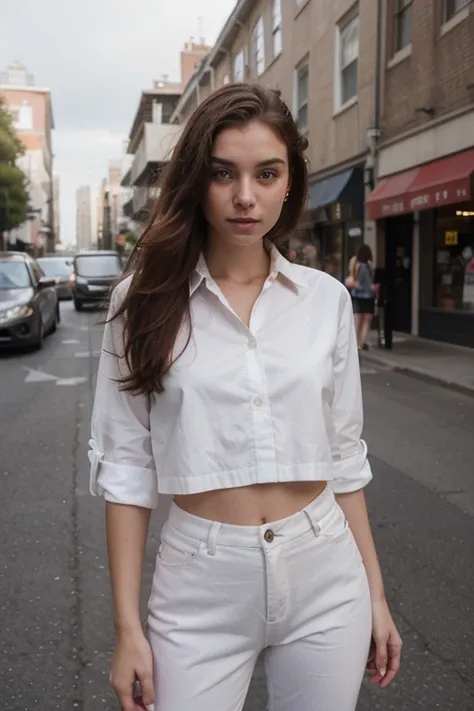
156	304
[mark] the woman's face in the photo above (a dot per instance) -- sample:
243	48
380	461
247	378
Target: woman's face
250	178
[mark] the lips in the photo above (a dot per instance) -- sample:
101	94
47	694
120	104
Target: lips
243	221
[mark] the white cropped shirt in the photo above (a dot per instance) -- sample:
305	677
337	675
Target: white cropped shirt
278	401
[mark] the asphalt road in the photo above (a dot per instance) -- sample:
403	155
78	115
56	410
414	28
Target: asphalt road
55	630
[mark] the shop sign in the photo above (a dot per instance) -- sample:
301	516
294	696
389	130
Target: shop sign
451	238
393	208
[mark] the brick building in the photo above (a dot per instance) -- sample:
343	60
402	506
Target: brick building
32	112
424	200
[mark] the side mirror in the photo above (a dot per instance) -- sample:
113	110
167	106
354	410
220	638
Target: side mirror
46	282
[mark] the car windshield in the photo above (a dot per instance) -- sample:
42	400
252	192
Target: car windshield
14	275
98	265
55	267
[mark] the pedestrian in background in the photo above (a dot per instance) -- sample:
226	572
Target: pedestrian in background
363	294
229	379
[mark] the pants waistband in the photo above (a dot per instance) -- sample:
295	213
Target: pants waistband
312	516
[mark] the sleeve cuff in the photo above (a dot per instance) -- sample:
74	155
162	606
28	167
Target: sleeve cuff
352	472
121	483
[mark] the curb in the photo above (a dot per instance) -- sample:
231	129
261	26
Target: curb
418	374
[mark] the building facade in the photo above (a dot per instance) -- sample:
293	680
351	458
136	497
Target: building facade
31	108
57	209
424	201
83	219
321	56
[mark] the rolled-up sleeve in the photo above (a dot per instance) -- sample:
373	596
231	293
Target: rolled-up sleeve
120	452
349	451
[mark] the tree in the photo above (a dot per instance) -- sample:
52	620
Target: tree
13	190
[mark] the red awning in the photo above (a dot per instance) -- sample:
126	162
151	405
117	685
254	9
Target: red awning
442	182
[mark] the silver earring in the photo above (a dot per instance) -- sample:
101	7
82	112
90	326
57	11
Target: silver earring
286	196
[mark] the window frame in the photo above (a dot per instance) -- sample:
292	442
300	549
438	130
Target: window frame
277	28
239	56
258	44
401	7
301	105
446	16
340	101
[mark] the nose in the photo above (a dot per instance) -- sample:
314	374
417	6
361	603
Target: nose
244	195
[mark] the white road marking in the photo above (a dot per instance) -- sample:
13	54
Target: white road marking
37	376
87	354
367	371
70	341
70	381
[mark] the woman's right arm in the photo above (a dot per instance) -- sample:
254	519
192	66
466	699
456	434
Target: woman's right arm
127	530
123	471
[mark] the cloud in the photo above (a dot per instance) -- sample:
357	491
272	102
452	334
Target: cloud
96	57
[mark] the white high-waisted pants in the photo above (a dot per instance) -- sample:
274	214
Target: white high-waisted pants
221	594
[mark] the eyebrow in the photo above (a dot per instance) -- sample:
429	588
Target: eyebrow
262	164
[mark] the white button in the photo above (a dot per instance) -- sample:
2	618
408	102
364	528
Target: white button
251	343
258	402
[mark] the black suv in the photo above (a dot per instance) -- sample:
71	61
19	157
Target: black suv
95	273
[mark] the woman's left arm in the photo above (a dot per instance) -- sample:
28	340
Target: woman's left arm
352	473
384	660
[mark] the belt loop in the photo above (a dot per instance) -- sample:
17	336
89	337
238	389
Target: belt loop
314	526
214	529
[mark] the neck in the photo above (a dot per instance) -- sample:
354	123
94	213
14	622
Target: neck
239	264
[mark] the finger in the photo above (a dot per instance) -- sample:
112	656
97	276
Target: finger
381	656
127	702
148	695
394	654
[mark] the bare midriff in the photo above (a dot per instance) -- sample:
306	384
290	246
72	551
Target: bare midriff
252	505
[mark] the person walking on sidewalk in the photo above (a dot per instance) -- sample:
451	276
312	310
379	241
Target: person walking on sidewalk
229	379
363	295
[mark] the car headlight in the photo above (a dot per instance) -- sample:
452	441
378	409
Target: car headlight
15	312
81	280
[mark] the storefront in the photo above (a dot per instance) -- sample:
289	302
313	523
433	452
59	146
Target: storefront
426	217
332	231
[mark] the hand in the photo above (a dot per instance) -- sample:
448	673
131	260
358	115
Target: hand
386	646
132	661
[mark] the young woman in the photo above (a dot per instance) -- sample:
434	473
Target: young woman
229	379
363	295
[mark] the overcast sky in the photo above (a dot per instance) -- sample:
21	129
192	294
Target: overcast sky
96	56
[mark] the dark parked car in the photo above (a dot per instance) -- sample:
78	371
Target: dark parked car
59	268
95	273
29	306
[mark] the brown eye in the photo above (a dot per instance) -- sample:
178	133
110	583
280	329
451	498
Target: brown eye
221	174
268	175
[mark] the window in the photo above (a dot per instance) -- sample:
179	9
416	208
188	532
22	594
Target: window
403	24
239	67
276	28
347	60
22	116
454	259
301	98
258	47
452	7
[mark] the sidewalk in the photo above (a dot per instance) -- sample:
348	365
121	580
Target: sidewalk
440	363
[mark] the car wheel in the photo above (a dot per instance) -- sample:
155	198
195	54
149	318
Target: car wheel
78	305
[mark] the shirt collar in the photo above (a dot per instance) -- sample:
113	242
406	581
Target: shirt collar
279	265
